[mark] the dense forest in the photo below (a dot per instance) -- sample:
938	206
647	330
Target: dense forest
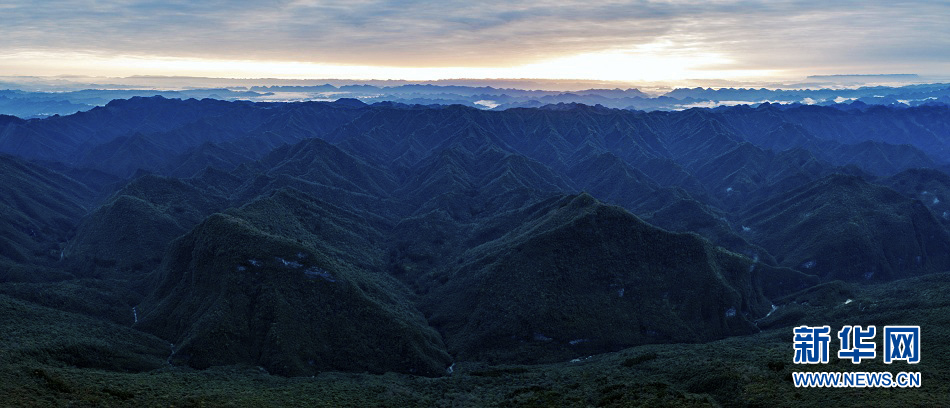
159	250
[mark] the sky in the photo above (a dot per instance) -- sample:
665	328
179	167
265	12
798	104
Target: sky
627	41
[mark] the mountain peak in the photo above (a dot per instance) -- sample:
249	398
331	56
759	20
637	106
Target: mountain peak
350	103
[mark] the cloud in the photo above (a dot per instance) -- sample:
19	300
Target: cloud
821	37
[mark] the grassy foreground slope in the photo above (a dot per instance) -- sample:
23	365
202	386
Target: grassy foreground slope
753	370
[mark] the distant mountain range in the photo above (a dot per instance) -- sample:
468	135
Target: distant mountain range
30	104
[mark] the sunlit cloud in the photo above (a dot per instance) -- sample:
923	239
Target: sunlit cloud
637	65
629	40
652	62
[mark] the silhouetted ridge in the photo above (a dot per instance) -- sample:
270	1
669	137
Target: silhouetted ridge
841	227
931	187
128	235
585	278
40	210
230	293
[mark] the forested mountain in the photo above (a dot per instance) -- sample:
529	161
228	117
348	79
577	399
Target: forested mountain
340	236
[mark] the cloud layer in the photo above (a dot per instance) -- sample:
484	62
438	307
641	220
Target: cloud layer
790	35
